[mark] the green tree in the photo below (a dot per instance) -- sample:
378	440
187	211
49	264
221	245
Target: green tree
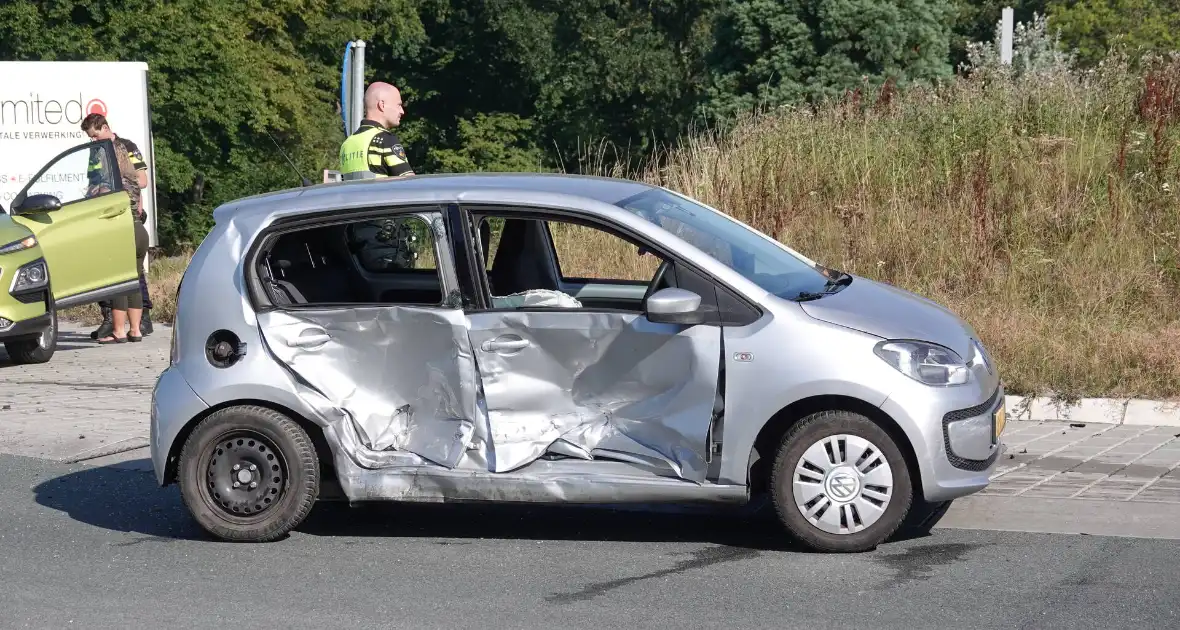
773	52
491	142
1092	27
572	74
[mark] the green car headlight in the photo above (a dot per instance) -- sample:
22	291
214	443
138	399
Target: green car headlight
16	246
30	277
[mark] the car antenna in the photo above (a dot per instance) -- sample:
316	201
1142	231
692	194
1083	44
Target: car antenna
306	181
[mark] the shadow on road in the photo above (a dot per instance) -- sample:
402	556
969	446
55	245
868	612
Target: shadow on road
125	498
730	528
119	498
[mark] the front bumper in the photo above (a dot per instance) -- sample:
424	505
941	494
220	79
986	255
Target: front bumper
956	438
24	329
971	437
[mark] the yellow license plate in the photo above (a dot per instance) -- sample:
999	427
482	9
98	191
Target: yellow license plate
1000	419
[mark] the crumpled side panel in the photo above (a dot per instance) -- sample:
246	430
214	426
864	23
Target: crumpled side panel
402	377
614	380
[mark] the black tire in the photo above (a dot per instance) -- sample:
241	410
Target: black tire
39	350
248	436
802	436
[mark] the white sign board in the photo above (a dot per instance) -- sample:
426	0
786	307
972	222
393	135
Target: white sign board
1006	19
42	104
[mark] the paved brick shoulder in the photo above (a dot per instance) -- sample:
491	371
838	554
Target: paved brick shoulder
87	400
1089	461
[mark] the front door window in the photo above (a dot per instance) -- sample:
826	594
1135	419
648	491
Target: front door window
84	172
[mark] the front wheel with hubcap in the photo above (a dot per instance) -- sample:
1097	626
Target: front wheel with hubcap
840	483
38	350
248	474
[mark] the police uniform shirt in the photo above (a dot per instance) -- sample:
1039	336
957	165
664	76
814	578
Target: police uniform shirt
373	149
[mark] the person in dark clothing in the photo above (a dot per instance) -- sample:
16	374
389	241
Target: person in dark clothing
133	308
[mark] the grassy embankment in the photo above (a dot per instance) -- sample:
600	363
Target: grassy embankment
1044	210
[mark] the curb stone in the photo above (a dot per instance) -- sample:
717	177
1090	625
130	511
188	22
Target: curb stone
1138	412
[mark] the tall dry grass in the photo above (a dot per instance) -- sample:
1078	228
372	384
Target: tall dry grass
1043	209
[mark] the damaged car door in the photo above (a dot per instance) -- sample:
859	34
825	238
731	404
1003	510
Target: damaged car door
364	316
627	371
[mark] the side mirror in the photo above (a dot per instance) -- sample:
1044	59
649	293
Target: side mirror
674	306
36	203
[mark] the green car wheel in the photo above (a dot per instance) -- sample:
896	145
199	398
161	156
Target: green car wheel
38	350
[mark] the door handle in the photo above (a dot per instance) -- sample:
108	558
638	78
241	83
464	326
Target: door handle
312	337
110	214
505	343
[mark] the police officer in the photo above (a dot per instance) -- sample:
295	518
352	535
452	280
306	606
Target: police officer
373	150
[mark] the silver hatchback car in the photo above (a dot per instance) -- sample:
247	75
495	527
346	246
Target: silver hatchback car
556	339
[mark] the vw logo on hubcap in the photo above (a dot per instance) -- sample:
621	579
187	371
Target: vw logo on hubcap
842	485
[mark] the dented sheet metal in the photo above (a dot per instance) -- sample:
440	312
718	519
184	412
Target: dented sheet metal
543	481
402	377
610	380
414	392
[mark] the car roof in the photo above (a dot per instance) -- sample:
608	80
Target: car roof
430	189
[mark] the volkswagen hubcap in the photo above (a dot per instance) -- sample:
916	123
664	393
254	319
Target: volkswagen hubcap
843	484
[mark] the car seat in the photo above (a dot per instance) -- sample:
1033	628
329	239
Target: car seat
520	263
307	272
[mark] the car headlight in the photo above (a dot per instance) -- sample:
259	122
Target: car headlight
925	362
16	246
30	277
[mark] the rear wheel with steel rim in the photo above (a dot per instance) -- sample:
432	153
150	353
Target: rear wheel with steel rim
248	474
840	483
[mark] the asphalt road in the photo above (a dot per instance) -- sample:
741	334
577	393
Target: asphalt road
102	547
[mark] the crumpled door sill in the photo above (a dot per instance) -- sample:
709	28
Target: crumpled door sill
567	481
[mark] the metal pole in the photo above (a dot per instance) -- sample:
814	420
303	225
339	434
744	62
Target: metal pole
1006	36
358	84
346	90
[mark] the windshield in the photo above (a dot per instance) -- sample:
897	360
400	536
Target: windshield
758	259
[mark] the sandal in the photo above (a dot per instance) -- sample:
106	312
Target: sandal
112	340
134	338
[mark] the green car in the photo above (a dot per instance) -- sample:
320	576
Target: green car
67	240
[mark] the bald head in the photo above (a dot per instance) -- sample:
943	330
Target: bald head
383	103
